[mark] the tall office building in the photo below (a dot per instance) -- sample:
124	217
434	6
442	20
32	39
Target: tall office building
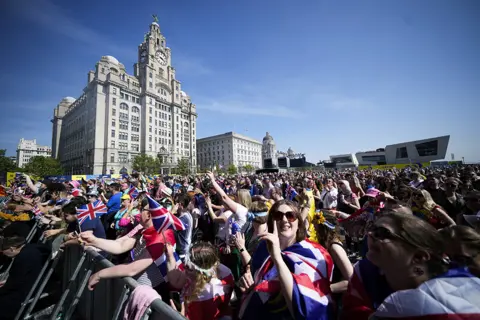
119	116
27	149
229	148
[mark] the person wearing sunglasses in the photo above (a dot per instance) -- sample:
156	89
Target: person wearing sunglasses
406	258
288	265
463	247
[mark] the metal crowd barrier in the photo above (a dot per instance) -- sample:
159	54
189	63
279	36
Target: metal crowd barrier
108	299
76	265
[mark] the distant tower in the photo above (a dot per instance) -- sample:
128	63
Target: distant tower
269	152
290	153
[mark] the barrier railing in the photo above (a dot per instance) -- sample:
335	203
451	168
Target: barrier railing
107	301
110	295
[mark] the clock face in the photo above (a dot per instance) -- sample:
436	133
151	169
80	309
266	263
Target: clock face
161	57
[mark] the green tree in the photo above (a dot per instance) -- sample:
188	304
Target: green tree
249	168
183	167
145	163
232	169
6	164
43	166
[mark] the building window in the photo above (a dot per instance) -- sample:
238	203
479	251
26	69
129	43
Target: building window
427	149
123	106
113	123
113	133
135	128
150	75
150	119
150	84
114	90
123	125
122	95
112	144
122	157
112	157
402	153
114	101
134	147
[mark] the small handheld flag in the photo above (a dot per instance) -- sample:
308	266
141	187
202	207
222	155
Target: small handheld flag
133	192
91	211
162	218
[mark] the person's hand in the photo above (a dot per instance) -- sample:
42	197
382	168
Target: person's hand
169	251
211	176
182	309
130	205
88	238
208	201
51	233
227	249
246	281
239	240
273	244
93	281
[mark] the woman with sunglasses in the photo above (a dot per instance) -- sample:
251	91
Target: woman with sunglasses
425	208
289	277
405	258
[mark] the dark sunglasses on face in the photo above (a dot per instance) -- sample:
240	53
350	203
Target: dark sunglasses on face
290	215
382	233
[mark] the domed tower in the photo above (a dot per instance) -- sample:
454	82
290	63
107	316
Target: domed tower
290	153
269	152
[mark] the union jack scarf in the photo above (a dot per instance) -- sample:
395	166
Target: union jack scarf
311	267
454	295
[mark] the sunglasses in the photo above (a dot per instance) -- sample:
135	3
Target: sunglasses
290	215
382	233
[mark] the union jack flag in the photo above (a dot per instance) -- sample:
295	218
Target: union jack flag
91	211
36	211
449	296
162	218
291	193
133	192
311	267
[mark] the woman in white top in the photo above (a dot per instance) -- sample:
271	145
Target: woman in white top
239	208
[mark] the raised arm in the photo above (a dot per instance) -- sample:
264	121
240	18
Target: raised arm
226	199
118	246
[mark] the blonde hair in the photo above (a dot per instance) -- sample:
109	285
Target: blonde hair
244	198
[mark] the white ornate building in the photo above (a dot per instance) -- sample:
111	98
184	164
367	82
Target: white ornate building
229	148
27	149
270	155
119	115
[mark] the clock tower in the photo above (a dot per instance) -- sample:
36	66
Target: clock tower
169	114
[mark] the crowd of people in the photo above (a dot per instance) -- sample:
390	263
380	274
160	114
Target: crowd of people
349	244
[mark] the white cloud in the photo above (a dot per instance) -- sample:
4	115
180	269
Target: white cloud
249	107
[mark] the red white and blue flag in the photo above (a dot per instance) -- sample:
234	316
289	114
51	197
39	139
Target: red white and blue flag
91	211
133	192
36	211
291	193
162	218
454	295
311	267
155	244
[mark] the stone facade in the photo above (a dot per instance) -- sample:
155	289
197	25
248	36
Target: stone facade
29	148
119	115
229	148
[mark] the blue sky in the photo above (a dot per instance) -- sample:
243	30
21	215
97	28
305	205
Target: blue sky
323	77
